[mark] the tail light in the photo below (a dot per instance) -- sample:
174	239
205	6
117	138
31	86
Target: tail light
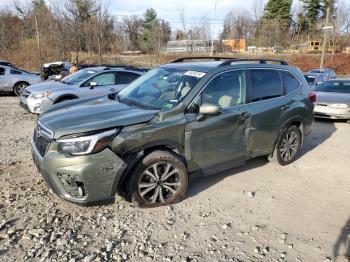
312	97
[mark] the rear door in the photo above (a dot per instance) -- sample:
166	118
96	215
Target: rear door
266	105
218	142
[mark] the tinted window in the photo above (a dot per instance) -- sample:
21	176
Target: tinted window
125	78
102	79
310	79
265	84
15	72
227	90
290	82
2	71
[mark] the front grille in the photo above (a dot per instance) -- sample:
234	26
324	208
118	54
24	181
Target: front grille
42	138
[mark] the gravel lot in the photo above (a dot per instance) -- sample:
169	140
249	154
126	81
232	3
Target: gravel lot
259	212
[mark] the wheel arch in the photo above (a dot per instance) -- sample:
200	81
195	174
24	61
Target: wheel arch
136	154
19	82
295	121
65	96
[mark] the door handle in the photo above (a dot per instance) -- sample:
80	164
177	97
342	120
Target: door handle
112	89
285	107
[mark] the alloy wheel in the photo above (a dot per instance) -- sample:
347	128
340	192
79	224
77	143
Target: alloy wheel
159	183
289	145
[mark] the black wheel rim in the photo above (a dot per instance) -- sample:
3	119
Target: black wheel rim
159	183
289	146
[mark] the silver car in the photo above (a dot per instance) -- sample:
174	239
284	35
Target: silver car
15	80
333	99
94	81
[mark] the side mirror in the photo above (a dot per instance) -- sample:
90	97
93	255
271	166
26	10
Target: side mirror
92	85
208	110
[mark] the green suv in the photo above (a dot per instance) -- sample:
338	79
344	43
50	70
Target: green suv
180	119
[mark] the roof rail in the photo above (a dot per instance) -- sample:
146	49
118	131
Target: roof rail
260	60
215	58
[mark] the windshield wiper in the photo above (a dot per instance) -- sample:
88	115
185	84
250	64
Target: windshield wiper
135	103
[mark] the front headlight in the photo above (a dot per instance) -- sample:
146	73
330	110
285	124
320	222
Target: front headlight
41	95
340	106
85	144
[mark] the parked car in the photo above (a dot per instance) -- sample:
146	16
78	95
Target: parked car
178	120
333	99
316	77
93	81
53	69
15	80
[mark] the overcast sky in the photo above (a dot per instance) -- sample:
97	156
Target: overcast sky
170	10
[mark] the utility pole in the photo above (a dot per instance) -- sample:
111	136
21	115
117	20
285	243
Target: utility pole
325	28
38	39
212	34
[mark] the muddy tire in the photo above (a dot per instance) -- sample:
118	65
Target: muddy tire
287	147
160	178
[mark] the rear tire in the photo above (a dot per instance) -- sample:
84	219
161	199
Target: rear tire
160	178
19	87
288	146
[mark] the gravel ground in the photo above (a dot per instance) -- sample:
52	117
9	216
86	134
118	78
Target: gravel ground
259	212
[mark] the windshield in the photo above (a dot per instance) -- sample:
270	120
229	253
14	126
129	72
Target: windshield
161	88
310	79
77	77
336	87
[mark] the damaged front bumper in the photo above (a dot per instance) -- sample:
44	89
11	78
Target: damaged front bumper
81	179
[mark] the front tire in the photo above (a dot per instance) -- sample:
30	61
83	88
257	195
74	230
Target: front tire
19	87
288	146
160	178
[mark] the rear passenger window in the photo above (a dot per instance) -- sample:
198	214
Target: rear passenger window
125	78
265	84
15	72
290	82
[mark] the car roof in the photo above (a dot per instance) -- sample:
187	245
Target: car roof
196	66
339	80
106	68
208	66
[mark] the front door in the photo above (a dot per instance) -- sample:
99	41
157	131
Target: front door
216	143
105	84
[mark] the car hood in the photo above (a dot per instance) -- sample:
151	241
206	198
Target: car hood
45	86
332	97
97	114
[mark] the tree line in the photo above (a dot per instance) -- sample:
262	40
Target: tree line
87	26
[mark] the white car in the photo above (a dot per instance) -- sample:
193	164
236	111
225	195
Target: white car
15	80
94	81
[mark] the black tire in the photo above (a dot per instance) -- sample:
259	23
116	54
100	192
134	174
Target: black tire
17	89
161	192
288	146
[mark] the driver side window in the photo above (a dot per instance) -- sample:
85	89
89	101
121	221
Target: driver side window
226	90
102	79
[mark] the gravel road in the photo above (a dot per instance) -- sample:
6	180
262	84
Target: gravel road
259	212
